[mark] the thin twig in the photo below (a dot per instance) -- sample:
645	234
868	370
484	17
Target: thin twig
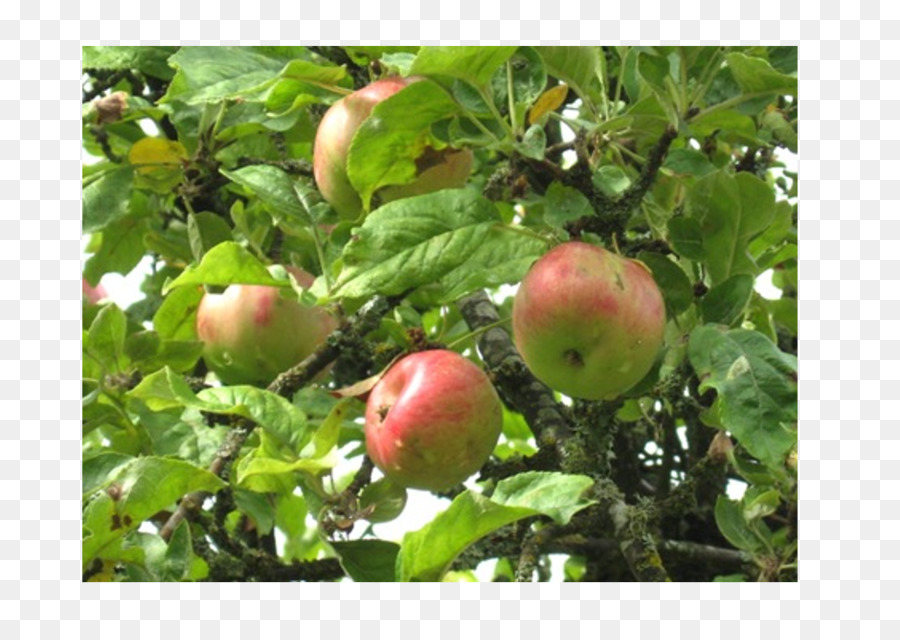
286	384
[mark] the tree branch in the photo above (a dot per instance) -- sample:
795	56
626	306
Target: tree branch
530	397
575	453
286	384
611	216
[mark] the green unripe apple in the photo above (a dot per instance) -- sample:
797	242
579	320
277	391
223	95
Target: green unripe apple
432	420
252	333
588	323
444	169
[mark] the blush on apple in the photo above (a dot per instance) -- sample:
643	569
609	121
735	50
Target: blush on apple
252	333
432	420
437	170
588	323
92	294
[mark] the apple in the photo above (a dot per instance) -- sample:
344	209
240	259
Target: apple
444	169
432	420
252	333
92	294
588	323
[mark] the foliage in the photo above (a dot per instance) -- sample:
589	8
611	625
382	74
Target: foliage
200	159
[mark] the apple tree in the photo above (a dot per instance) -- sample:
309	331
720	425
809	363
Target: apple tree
329	243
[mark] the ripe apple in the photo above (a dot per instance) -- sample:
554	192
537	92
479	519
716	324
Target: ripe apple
252	333
436	170
588	323
432	420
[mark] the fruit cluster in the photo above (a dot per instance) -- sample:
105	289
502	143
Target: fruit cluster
587	322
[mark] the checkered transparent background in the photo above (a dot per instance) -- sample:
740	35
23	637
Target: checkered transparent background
850	251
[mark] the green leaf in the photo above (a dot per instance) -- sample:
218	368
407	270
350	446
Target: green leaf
686	236
143	487
779	231
179	556
730	520
302	82
725	302
106	199
578	67
211	74
475	65
556	495
784	312
142	345
368	560
783	59
688	162
96	469
385	147
756	385
759	502
426	554
731	210
205	231
756	75
258	506
611	180
730	577
226	263
759	315
275	188
302	542
327	435
729	125
259	472
503	256
105	340
564	204
534	143
121	248
655	70
364	55
177	316
414	241
386	499
672	282
149	60
781	129
276	415
528	76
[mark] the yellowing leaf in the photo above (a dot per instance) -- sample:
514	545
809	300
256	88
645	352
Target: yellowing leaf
547	102
153	154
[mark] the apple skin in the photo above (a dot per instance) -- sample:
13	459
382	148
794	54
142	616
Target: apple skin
92	294
443	169
251	333
432	420
588	323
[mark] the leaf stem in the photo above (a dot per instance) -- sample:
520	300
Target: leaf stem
479	331
321	255
483	92
511	98
731	102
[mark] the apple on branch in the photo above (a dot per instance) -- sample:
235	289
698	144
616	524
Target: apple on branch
588	323
437	169
252	333
432	420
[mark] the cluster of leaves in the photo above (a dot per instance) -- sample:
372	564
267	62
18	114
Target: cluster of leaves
201	161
